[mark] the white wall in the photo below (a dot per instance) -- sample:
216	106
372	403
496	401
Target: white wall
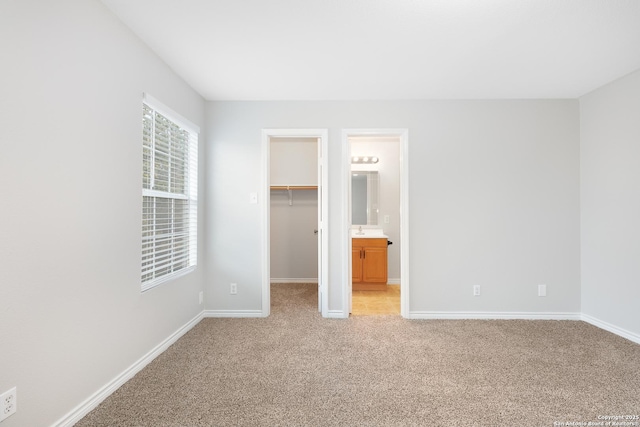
610	203
494	199
293	161
71	310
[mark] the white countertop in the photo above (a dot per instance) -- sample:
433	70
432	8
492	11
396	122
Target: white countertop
368	233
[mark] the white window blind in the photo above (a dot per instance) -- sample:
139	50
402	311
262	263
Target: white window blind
169	194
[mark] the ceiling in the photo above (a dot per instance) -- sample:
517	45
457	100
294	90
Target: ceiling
389	49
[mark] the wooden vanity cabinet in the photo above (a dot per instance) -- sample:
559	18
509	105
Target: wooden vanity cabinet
369	264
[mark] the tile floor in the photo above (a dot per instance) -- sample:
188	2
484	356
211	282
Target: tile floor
371	303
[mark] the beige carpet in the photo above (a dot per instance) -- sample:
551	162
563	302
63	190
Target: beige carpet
298	369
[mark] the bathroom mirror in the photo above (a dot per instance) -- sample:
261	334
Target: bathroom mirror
364	197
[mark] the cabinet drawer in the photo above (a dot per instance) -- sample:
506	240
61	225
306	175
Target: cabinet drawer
369	243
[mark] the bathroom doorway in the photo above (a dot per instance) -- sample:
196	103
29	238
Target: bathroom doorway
376	171
295	238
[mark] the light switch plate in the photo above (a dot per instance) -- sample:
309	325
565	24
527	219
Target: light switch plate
542	290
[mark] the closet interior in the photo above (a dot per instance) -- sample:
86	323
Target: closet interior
294	210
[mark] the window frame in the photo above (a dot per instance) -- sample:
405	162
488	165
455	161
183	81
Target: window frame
185	259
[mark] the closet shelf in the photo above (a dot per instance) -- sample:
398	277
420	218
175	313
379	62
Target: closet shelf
290	188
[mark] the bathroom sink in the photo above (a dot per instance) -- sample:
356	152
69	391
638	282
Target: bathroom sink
368	233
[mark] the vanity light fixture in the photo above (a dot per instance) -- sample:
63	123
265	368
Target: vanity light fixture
364	159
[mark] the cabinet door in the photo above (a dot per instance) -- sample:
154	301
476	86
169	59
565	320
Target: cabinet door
356	264
374	265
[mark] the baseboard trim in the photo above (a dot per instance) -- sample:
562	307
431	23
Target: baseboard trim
312	280
335	314
233	313
482	315
393	281
631	336
77	413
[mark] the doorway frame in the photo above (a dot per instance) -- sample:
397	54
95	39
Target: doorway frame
323	227
403	135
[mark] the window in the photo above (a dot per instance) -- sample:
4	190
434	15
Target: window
169	194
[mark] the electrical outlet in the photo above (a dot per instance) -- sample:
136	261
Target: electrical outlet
476	290
8	403
233	289
200	297
542	290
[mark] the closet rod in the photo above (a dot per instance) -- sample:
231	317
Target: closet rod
294	187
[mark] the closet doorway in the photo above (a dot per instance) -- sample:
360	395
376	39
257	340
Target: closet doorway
295	237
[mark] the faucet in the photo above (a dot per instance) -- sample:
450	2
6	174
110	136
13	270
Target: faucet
360	231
